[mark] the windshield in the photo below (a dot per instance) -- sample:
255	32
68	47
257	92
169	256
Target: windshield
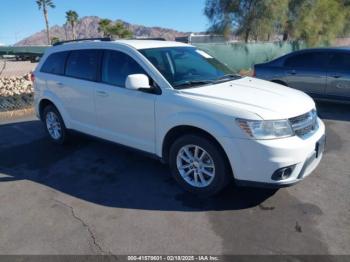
186	67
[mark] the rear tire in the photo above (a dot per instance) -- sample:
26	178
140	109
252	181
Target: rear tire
199	165
54	125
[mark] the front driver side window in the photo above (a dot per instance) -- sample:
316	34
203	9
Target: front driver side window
117	66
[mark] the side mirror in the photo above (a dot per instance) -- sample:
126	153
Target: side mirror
137	81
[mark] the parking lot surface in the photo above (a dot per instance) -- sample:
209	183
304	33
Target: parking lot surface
94	197
10	68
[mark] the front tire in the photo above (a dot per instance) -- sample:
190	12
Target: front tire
54	125
199	165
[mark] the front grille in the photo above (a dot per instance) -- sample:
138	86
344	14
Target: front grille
304	124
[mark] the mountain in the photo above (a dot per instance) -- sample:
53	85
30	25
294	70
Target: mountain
88	27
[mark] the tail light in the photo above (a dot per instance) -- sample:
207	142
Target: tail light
254	73
32	77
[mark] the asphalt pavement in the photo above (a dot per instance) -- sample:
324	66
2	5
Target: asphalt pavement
94	197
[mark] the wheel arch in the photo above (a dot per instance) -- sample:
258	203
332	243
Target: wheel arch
181	130
42	105
47	100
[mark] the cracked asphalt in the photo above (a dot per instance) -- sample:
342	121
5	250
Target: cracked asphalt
94	197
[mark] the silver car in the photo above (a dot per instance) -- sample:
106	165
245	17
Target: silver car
322	73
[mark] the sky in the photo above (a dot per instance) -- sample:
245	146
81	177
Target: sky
21	18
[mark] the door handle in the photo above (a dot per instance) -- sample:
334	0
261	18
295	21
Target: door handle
292	72
102	93
336	76
59	84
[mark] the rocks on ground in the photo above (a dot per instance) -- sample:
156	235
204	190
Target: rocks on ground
16	93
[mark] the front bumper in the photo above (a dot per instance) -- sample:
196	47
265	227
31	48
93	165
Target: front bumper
254	161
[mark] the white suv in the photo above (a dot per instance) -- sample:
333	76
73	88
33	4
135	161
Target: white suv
180	104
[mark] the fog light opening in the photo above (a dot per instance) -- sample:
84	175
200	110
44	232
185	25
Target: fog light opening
282	173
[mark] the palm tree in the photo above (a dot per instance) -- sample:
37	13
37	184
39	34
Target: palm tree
119	30
109	29
72	19
54	40
44	5
104	25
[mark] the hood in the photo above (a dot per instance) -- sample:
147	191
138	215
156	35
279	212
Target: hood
266	99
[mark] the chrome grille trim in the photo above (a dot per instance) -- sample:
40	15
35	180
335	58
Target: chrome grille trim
305	124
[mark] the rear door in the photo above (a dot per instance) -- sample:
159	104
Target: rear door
81	73
307	72
338	77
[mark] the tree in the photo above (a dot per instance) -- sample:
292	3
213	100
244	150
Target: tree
117	29
246	18
44	5
72	19
104	24
316	21
54	40
271	20
313	21
346	4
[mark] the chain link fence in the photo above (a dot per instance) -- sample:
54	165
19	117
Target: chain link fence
16	90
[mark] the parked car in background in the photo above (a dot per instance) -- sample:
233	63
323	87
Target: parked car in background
183	106
33	58
322	73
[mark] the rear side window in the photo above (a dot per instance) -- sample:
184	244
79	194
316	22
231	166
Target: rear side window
307	60
340	61
117	66
54	64
83	64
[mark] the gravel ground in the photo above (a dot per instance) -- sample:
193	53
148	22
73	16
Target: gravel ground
9	68
93	197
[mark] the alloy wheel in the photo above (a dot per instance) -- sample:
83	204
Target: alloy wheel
53	125
195	166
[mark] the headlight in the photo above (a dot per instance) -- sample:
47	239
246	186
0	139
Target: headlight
260	129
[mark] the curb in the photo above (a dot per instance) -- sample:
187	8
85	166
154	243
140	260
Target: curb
13	114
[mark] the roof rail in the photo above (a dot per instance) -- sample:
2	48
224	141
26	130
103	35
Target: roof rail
104	39
150	38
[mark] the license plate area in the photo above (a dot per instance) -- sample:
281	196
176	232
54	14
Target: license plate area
320	146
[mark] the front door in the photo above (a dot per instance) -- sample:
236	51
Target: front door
124	116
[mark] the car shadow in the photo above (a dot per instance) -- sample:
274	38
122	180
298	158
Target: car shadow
333	111
106	174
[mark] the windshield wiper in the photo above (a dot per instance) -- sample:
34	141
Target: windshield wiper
227	77
190	83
